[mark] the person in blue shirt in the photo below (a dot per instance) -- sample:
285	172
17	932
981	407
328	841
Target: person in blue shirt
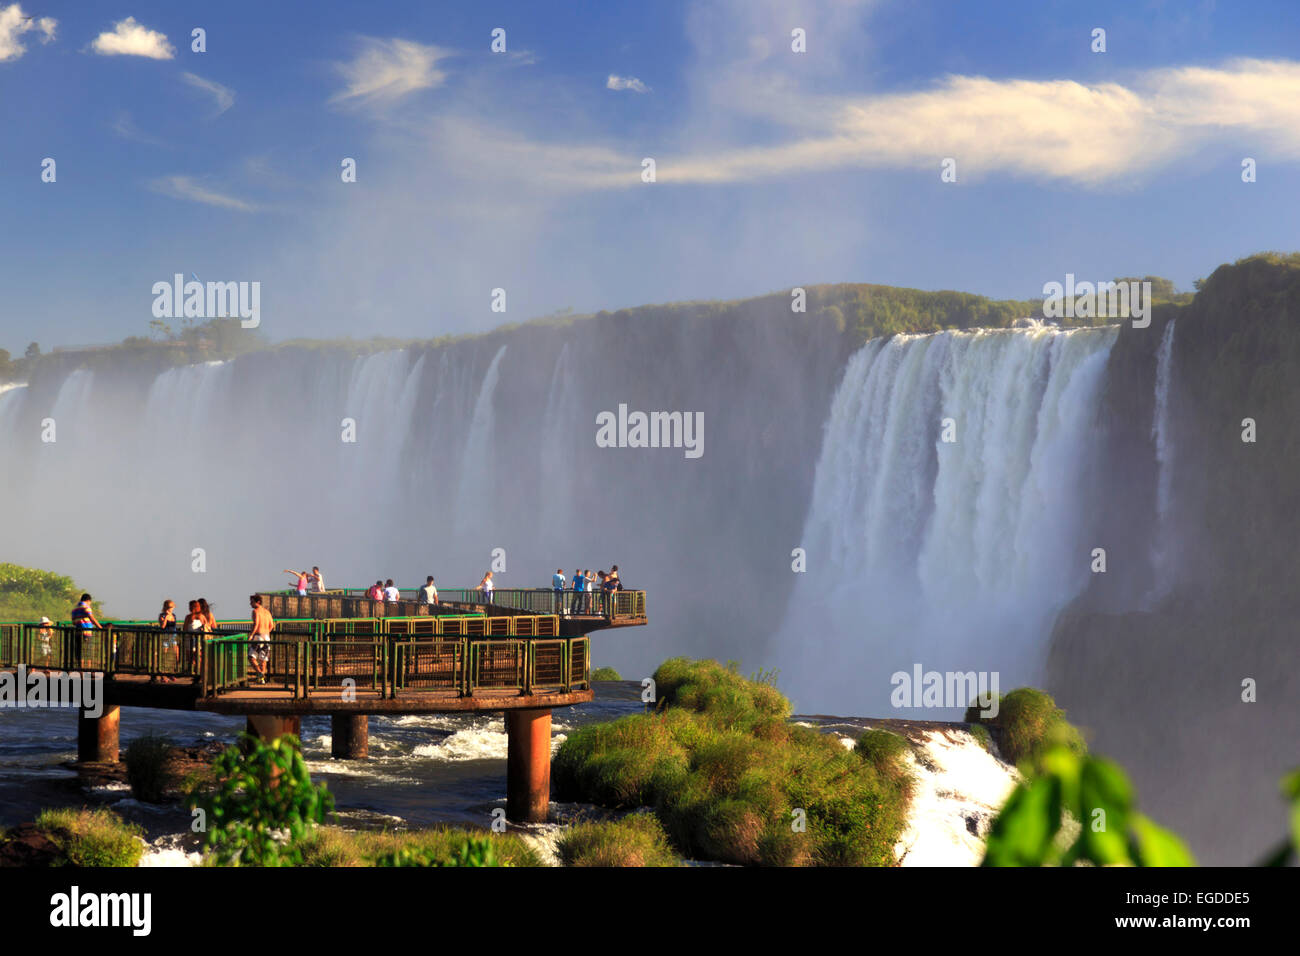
579	586
557	585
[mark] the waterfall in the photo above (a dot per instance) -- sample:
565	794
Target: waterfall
944	527
559	435
1160	434
475	498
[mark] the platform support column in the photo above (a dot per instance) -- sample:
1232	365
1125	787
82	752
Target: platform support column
97	737
528	765
266	727
351	736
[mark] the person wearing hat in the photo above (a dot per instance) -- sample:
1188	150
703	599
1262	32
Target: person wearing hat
43	636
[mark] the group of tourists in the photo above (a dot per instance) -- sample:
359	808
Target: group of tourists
587	593
305	581
388	592
198	621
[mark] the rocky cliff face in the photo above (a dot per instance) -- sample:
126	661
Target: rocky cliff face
1182	660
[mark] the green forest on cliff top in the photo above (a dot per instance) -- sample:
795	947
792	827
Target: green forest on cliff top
855	311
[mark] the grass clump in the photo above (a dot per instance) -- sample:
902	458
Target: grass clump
436	846
146	760
982	736
730	780
1029	724
605	673
635	840
91	837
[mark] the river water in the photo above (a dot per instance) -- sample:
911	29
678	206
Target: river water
422	770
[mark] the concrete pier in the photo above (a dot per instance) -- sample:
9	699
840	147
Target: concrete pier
97	737
528	765
350	734
266	727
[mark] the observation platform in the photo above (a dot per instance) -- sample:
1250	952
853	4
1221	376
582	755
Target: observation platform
347	656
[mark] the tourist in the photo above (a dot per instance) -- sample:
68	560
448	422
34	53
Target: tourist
170	646
609	587
391	594
44	635
83	615
194	619
579	585
259	642
486	587
301	581
376	592
316	580
557	587
429	593
618	582
209	619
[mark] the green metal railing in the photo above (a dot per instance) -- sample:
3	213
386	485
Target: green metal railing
377	666
610	604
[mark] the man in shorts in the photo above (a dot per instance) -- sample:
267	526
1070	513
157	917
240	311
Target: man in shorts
259	647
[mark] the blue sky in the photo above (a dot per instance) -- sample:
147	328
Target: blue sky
521	170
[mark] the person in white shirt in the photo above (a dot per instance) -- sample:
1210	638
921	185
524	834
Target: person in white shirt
557	586
486	586
391	594
429	592
316	580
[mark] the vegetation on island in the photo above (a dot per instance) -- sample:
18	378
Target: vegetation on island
28	594
434	846
1027	725
637	839
605	673
731	780
91	837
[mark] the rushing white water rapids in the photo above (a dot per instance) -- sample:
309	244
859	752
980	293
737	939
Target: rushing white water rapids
944	529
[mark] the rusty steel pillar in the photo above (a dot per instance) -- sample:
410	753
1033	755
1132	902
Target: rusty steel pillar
266	727
97	737
350	735
528	765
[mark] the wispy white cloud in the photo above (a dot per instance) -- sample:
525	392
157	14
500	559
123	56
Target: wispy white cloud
224	96
626	83
130	38
387	70
1050	129
124	126
14	23
186	187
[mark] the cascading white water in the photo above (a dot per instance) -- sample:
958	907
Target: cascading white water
1160	433
219	474
943	528
559	435
475	497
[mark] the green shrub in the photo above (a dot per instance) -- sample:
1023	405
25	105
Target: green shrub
981	734
730	780
635	840
1027	725
92	837
263	804
436	846
719	693
146	767
973	713
605	673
